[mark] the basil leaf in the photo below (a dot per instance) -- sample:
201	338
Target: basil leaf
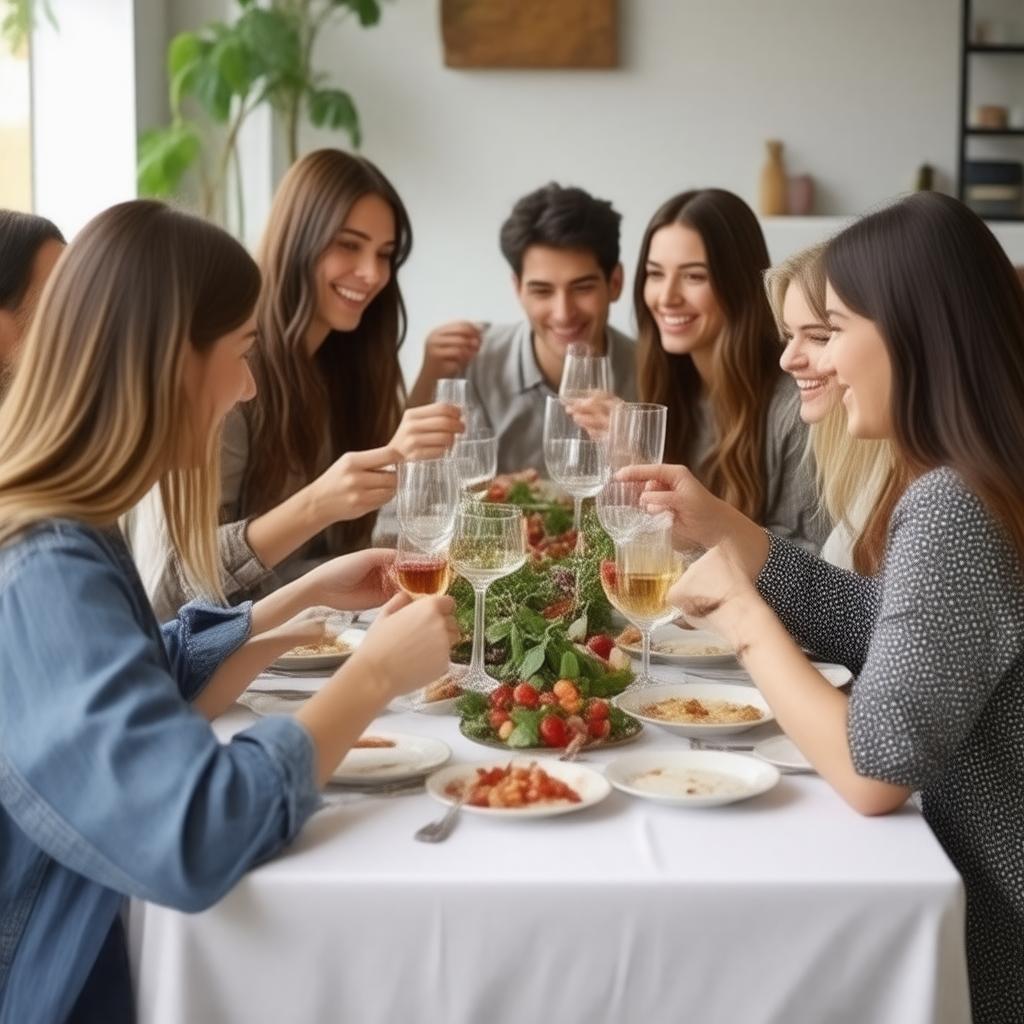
533	661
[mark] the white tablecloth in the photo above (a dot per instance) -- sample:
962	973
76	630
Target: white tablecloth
789	908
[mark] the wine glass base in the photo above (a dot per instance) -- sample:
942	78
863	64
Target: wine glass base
640	680
480	682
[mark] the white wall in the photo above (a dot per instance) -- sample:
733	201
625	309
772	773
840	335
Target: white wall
861	92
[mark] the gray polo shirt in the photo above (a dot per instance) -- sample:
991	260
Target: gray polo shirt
507	385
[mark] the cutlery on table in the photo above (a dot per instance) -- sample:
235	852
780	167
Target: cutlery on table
438	831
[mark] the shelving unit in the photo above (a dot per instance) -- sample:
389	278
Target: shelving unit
964	130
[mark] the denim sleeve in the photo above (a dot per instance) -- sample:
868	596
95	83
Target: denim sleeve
105	767
200	638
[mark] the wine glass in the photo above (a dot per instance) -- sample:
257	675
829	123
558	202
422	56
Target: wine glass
619	510
584	372
489	542
421	570
575	460
475	455
638	580
636	434
452	390
427	499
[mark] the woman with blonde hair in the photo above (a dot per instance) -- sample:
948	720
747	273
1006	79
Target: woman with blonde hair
307	464
112	782
857	480
707	350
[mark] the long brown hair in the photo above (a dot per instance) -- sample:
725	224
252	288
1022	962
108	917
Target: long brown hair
953	325
350	395
846	469
746	369
97	412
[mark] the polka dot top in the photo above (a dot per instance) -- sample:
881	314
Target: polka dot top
937	642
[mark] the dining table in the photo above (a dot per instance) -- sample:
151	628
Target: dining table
786	908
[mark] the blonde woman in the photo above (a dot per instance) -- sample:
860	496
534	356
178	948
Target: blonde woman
307	464
858	482
112	782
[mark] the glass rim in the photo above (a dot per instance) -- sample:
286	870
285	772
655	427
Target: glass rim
645	406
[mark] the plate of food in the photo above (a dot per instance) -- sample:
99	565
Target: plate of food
691	648
521	718
519	788
700	709
782	752
437	698
328	654
691	778
390	757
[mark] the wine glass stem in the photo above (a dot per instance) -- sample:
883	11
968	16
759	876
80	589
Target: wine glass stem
476	665
645	656
577	514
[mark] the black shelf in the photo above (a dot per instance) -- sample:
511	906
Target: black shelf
964	131
994	48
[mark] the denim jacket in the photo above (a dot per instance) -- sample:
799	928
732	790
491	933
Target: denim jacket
110	784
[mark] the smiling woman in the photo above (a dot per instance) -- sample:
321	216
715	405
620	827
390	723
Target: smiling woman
306	465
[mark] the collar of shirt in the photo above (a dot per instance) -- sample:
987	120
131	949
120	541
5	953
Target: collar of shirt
530	375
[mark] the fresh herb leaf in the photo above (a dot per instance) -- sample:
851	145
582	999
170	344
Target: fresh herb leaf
498	631
471	703
532	661
570	666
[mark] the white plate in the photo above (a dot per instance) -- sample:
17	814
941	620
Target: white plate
782	752
837	675
662	776
694	638
319	662
591	786
634	700
414	702
411	756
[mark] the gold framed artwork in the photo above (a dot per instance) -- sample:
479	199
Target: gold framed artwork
529	33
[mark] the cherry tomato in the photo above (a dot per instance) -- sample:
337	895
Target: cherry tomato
600	729
497	717
496	492
601	644
553	731
572	706
501	697
597	710
525	695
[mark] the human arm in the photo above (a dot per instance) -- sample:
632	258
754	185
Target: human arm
448	350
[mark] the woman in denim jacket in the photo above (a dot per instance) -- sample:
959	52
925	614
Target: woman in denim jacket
112	782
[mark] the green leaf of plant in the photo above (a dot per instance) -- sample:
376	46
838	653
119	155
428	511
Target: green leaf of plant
184	50
272	38
498	631
570	666
164	155
333	108
516	641
532	622
533	661
368	11
213	92
232	62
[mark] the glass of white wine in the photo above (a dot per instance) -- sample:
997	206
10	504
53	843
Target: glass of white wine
421	571
584	373
489	542
637	582
575	460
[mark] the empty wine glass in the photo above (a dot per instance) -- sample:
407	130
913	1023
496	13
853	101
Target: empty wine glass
637	582
452	390
427	499
475	455
489	542
619	510
575	460
584	372
636	434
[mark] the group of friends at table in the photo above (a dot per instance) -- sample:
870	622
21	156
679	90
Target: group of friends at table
195	444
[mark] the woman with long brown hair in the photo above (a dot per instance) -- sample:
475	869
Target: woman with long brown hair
708	351
112	782
928	350
307	464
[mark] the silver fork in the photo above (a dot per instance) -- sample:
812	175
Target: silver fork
438	831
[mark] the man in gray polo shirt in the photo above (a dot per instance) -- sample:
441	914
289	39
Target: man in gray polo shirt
563	247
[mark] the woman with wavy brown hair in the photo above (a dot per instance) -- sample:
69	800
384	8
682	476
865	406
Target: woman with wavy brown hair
308	463
708	349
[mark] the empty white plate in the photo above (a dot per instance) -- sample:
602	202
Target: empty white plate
782	752
691	778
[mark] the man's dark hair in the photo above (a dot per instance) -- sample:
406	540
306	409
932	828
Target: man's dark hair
21	237
562	218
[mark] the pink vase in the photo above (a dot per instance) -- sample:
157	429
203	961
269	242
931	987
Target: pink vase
800	195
